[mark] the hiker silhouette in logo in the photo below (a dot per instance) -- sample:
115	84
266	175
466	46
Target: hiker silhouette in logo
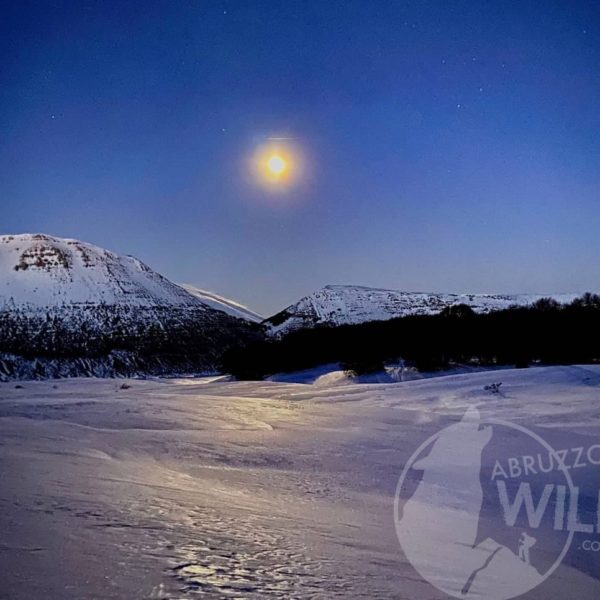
438	525
526	542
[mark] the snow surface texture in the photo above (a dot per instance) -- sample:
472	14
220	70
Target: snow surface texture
206	488
71	308
349	305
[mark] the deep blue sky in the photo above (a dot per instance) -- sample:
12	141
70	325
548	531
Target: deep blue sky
451	145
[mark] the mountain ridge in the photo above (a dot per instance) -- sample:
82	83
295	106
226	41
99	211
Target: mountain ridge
227	305
335	305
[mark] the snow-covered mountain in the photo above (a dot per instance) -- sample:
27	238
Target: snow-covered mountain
235	309
38	270
72	308
349	305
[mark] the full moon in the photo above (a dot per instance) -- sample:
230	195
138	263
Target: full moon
276	164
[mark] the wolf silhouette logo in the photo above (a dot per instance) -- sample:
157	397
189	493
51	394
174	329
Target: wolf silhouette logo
437	527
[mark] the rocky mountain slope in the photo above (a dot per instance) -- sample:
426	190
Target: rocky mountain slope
70	308
348	305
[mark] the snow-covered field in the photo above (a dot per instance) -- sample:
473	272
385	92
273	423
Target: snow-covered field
208	488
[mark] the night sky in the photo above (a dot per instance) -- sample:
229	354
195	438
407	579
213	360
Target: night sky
447	146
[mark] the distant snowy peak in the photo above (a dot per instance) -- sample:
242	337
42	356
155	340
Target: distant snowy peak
38	270
219	303
349	305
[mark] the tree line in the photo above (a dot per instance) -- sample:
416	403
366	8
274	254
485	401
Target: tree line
546	332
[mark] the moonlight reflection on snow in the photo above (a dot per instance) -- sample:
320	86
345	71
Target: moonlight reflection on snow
208	488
